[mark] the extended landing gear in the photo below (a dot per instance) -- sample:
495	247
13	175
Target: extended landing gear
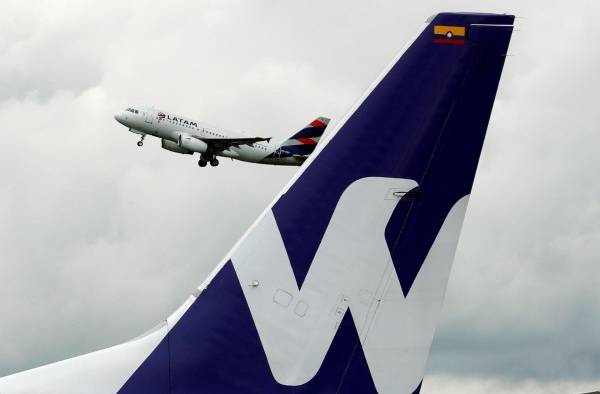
204	160
140	143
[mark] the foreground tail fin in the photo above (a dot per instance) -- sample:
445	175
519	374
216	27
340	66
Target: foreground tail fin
338	285
304	142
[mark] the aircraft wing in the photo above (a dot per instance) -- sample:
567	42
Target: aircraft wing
220	144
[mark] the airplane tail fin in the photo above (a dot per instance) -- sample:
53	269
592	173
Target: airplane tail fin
304	142
338	285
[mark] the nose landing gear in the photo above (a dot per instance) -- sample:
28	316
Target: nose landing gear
140	143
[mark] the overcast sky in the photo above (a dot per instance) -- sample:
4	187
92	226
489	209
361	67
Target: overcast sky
100	240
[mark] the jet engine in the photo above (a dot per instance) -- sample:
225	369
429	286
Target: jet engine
190	143
174	147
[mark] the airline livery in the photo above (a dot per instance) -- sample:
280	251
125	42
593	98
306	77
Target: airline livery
338	285
186	136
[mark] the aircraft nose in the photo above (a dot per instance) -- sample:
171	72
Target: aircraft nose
120	117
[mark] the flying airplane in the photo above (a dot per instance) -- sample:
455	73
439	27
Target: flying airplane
183	135
338	285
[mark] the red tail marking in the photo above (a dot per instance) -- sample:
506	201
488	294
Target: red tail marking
307	141
450	41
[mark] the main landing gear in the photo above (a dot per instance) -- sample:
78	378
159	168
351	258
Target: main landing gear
140	143
203	162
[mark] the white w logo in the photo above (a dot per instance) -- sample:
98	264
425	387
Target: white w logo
352	269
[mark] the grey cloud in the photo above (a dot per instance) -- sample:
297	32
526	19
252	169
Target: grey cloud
48	61
450	384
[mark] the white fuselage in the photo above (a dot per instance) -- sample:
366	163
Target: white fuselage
171	128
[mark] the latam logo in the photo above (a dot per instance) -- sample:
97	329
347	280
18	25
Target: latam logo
352	271
162	116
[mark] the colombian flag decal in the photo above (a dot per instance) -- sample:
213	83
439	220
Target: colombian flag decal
453	35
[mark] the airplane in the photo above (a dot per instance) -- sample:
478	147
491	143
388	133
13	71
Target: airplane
338	285
183	135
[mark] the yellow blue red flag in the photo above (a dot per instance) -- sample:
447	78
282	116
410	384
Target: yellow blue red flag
443	34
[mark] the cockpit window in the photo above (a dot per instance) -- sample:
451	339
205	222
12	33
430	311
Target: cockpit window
133	111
